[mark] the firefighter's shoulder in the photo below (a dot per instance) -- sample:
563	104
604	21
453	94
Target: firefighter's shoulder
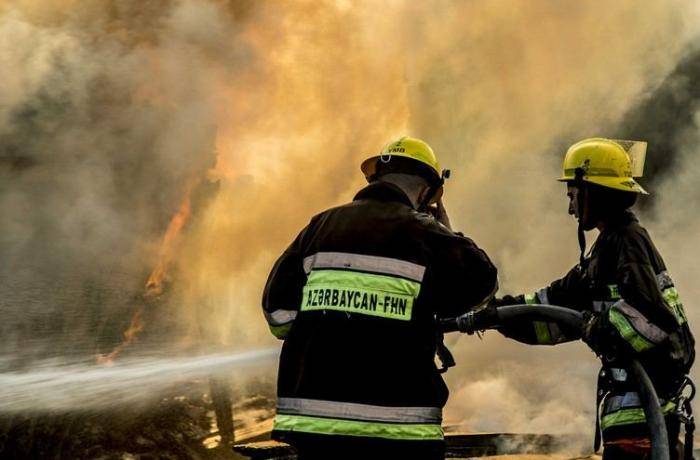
629	234
428	222
437	233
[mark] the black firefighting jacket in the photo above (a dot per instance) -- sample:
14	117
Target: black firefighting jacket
624	280
355	297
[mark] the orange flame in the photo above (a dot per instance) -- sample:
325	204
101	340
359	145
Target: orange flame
154	285
130	335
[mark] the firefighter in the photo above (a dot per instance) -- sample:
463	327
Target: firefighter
628	297
356	298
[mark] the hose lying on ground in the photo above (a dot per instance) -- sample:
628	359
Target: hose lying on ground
574	319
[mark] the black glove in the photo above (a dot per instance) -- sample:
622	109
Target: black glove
485	317
590	332
601	336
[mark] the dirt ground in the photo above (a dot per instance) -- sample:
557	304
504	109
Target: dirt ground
180	426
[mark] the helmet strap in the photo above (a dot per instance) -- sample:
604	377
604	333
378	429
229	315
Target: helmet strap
581	205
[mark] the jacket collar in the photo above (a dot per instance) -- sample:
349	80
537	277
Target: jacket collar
383	191
618	221
621	220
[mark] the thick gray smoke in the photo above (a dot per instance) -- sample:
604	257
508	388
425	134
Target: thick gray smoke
93	163
243	119
666	118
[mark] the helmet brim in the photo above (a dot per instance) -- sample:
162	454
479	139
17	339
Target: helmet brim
369	167
625	184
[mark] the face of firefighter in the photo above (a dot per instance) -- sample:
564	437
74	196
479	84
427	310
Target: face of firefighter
585	216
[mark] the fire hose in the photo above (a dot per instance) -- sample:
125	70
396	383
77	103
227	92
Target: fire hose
573	319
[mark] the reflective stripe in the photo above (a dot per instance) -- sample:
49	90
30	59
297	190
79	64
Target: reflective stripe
374	264
633	326
664	280
354	411
362	293
542	332
670	295
626	330
622	401
281	332
317	425
613	295
546	333
618	375
628	400
555	333
614	292
630	416
280	317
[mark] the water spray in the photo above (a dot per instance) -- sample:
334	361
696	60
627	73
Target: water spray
89	386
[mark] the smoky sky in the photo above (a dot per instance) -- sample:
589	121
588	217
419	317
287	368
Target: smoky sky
664	115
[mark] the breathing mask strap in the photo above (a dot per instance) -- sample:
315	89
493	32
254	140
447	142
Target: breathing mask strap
581	204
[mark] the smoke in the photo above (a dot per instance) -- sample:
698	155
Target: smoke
113	110
503	99
665	117
98	110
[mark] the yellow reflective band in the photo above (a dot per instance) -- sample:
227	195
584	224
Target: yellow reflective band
362	293
282	331
630	416
638	342
614	292
541	327
331	426
542	331
671	297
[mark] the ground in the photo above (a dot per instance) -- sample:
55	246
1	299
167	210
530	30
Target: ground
179	426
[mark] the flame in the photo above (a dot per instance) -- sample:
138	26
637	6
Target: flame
154	285
130	335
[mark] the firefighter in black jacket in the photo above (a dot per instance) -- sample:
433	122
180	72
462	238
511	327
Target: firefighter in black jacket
631	303
355	298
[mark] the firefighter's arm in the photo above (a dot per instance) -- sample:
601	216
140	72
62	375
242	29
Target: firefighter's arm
562	292
468	279
641	317
283	290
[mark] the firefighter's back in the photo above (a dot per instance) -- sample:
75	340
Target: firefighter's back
358	363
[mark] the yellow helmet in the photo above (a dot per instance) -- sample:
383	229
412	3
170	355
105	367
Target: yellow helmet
605	162
406	147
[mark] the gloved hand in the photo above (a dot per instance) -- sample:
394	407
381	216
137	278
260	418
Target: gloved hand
485	317
440	213
590	332
601	336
